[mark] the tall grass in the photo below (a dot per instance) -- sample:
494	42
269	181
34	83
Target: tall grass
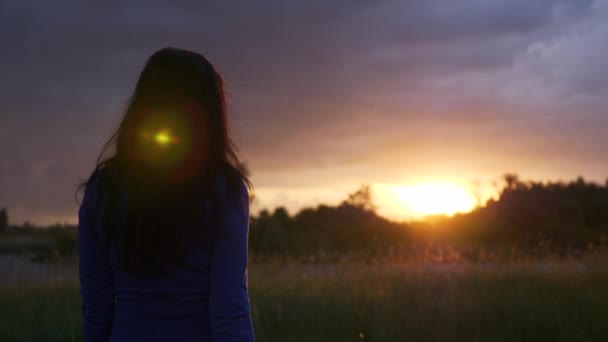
375	302
40	313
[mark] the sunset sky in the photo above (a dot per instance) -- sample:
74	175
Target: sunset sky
323	95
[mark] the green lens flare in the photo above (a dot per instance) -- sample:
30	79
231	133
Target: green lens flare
163	138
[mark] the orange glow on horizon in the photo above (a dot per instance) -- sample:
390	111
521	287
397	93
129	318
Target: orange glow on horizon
425	199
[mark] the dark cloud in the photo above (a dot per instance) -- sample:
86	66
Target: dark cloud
336	83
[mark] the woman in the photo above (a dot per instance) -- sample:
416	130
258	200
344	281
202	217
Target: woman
164	221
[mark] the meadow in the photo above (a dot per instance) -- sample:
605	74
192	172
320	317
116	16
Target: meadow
529	266
359	301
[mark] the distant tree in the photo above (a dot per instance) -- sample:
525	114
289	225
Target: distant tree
476	191
270	233
3	220
264	214
281	215
511	181
361	199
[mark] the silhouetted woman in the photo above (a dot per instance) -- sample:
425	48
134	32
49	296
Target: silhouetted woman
164	221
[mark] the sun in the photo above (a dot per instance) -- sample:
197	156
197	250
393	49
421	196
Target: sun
435	199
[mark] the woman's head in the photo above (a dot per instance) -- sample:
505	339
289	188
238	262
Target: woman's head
169	150
175	121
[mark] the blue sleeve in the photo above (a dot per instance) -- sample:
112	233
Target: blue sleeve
230	318
96	279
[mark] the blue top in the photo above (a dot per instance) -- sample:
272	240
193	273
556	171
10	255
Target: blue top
205	299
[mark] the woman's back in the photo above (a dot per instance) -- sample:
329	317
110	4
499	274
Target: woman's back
203	298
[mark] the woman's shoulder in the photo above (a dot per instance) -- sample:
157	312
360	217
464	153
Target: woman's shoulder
231	182
234	191
94	181
96	192
89	213
91	187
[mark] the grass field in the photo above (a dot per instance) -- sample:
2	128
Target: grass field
369	302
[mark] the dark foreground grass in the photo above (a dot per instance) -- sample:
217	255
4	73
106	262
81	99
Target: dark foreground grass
359	302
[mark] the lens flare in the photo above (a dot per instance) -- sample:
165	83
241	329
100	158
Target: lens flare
163	138
164	141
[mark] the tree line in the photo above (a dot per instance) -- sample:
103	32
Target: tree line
525	214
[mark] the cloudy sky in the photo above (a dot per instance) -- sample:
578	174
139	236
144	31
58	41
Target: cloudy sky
324	95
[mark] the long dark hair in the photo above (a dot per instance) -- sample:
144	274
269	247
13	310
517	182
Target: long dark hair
164	162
